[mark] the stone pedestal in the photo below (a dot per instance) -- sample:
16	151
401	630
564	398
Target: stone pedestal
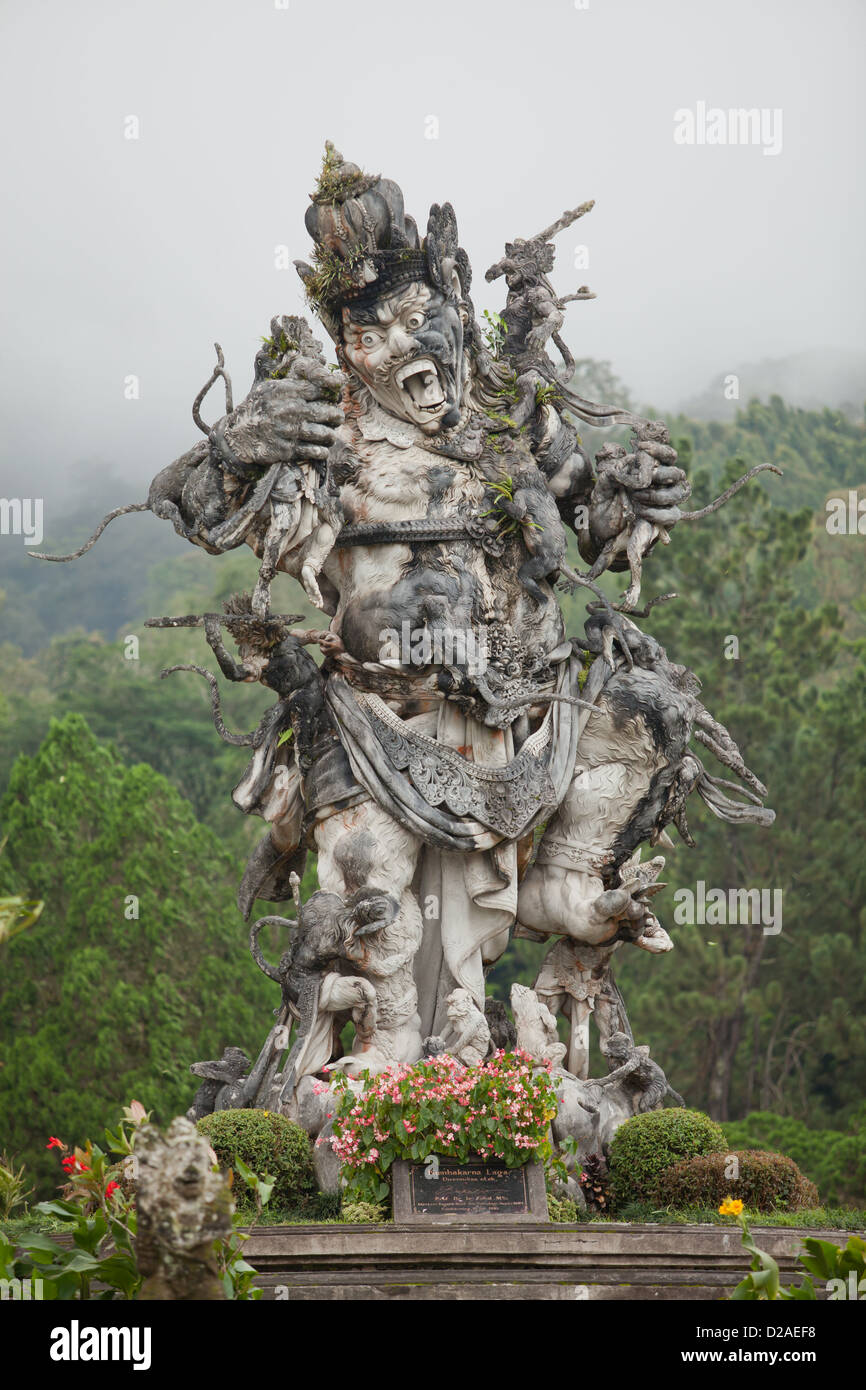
594	1261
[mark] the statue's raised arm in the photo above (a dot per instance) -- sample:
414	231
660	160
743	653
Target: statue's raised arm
259	475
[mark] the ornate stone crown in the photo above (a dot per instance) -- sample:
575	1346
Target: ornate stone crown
366	243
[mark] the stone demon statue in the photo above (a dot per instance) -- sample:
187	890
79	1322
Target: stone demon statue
422	492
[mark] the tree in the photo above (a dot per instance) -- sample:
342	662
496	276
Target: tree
741	1018
138	965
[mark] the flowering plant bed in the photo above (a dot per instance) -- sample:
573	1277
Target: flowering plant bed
501	1108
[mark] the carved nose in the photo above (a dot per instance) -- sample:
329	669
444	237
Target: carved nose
400	342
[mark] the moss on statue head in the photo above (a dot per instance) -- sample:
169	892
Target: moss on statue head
338	179
333	276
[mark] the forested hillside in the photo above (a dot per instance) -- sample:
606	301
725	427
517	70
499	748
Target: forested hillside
96	1008
138	964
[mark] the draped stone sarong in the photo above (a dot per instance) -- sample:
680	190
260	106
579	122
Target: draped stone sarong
460	787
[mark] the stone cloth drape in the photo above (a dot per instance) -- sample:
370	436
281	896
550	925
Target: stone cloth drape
466	879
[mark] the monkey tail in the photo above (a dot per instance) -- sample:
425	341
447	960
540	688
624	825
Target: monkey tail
237	740
88	545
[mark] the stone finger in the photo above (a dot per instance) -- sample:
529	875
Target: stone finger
662	516
315	433
667	473
311	453
661	497
308	369
665	453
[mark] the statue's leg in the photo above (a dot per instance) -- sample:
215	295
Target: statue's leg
610	1014
578	1012
364	847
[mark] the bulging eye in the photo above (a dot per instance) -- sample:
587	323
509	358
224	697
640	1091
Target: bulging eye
369	340
415	321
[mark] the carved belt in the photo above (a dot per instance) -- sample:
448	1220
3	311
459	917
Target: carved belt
467	526
405	532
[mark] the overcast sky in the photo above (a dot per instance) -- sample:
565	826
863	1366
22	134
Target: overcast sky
131	256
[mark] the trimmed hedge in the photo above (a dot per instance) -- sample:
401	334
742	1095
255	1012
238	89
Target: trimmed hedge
269	1144
835	1159
647	1145
766	1182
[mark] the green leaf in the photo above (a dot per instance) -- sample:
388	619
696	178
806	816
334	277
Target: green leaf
249	1177
82	1263
822	1259
121	1272
66	1286
88	1235
265	1187
804	1291
59	1208
38	1244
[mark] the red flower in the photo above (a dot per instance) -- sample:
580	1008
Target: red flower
70	1163
54	1143
112	1187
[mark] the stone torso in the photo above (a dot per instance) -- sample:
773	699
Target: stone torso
444	587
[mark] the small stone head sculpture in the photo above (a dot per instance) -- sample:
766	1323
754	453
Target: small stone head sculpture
617	1048
460	1005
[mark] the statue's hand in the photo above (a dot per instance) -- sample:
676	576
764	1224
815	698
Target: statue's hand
283	422
642	486
293	409
331	643
664	485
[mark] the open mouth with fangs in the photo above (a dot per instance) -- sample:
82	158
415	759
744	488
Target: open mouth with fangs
421	388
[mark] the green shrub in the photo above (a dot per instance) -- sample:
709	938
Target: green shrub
359	1213
269	1144
646	1145
765	1182
835	1159
562	1208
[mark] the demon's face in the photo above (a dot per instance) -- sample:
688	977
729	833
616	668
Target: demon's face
407	347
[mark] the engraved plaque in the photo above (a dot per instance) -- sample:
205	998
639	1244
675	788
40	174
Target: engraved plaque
477	1190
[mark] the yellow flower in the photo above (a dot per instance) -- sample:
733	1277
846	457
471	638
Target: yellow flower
731	1206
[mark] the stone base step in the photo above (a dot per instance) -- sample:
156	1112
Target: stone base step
604	1261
